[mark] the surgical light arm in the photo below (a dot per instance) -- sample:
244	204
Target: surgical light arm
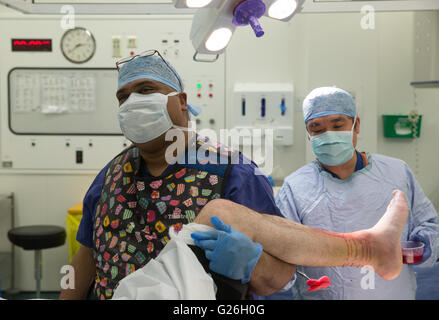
215	20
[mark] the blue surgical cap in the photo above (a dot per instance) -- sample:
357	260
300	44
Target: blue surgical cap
194	109
326	101
154	68
150	67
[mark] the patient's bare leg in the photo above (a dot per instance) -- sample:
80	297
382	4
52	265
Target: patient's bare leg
301	245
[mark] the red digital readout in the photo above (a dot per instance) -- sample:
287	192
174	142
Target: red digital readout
31	45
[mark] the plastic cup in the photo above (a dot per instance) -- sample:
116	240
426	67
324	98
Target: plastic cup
412	251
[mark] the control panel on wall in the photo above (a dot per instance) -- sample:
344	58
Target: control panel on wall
58	104
203	82
203	94
264	106
60	153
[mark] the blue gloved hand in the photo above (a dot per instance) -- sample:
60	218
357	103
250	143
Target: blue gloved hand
230	252
427	247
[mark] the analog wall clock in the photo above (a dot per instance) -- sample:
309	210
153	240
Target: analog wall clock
78	45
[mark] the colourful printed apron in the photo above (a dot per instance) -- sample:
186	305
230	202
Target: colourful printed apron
134	213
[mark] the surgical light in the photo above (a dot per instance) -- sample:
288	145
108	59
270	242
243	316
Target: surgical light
211	32
193	4
213	25
197	3
282	9
218	39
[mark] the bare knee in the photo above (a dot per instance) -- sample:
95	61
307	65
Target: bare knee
220	208
234	214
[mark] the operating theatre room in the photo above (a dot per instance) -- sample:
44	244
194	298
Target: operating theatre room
240	150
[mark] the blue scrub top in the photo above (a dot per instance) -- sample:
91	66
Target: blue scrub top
243	187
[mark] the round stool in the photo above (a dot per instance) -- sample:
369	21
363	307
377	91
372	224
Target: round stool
37	238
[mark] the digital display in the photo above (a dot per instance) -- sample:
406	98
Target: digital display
31	44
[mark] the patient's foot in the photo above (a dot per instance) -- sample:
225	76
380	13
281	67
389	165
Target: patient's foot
385	238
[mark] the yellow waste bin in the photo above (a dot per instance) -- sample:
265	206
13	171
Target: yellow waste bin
73	219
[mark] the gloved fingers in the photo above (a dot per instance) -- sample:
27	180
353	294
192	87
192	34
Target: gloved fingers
416	238
206	244
220	225
420	238
426	241
208	254
206	235
427	253
257	252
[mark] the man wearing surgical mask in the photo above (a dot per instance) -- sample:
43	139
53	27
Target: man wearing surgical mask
345	190
138	196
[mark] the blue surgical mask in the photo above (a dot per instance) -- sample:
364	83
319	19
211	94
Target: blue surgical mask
333	148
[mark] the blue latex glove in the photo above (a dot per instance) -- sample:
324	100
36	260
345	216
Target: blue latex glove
231	253
427	248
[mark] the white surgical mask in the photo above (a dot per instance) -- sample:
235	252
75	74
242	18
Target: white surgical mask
144	117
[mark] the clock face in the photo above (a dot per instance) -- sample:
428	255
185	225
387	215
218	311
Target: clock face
78	45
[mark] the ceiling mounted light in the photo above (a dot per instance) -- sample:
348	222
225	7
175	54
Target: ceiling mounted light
213	25
195	4
218	39
283	9
211	32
